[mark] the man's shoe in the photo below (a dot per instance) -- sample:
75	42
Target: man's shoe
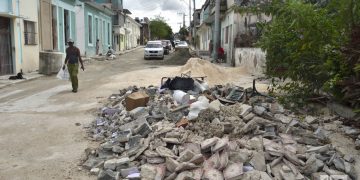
74	91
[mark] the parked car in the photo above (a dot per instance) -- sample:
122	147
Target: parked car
154	49
182	44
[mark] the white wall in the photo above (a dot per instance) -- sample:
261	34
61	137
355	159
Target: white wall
80	28
252	59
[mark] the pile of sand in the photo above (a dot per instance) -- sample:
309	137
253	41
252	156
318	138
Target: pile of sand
199	67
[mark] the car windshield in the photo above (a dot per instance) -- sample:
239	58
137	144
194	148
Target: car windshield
153	46
182	42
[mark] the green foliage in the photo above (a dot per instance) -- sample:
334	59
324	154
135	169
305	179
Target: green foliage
183	33
159	29
302	44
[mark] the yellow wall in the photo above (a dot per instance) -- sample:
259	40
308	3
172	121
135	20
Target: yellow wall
26	56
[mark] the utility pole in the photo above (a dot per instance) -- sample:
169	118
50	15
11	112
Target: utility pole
184	20
216	41
190	33
195	22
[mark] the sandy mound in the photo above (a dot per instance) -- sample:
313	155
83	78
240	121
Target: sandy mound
199	67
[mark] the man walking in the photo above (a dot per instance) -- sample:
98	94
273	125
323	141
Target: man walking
72	60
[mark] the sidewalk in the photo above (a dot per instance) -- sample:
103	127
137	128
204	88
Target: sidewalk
4	80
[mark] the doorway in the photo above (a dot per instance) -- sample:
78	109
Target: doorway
6	61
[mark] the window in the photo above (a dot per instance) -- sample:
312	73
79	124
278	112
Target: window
90	26
29	33
109	33
96	28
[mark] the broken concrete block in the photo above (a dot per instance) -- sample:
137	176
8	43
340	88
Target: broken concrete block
171	140
349	158
240	156
318	175
227	127
319	149
185	156
165	152
107	146
250	175
224	160
233	171
160	171
184	175
155	160
313	165
126	172
135	113
208	143
245	110
215	105
94	171
108	175
136	99
212	174
197	159
144	129
134	142
172	176
118	149
213	162
287	175
256	143
197	173
171	164
259	110
112	164
149	153
284	119
93	163
286	169
148	172
216	121
258	161
248	117
276	108
185	166
220	144
311	119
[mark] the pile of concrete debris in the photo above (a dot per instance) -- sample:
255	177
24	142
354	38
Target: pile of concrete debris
224	132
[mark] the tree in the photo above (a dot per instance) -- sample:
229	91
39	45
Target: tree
315	44
159	29
183	33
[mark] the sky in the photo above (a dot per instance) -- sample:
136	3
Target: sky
169	9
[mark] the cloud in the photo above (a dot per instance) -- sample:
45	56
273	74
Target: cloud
172	5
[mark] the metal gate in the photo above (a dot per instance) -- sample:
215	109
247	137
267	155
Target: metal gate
6	62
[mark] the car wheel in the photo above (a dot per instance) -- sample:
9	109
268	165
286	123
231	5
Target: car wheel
145	58
162	58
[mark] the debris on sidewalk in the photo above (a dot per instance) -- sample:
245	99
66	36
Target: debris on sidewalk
222	132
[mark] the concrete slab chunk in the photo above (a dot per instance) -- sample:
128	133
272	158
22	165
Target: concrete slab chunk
233	171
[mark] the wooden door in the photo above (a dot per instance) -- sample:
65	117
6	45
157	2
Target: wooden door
6	61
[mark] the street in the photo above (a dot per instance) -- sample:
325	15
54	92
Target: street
39	136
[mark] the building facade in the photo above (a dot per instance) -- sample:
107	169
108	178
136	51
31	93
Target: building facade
18	36
94	28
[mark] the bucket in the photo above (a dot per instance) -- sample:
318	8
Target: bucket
181	97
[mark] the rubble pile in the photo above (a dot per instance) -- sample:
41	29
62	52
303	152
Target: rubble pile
225	132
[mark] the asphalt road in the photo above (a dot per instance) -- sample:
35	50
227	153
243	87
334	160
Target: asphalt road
39	138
